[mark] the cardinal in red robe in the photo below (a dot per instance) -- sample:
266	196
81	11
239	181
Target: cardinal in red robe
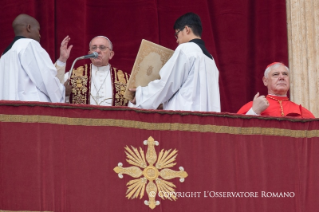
276	103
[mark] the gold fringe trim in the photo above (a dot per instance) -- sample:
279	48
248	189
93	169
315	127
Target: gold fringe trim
159	126
23	211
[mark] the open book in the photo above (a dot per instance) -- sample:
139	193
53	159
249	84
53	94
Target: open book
150	59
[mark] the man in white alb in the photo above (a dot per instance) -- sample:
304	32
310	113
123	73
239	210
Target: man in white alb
26	70
98	83
189	79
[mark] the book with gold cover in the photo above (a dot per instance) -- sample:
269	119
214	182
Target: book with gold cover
150	59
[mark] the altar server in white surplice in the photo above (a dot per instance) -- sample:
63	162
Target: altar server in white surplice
189	79
26	70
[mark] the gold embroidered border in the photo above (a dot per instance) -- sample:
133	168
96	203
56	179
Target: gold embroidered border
159	126
23	211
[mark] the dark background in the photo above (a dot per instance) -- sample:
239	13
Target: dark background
243	36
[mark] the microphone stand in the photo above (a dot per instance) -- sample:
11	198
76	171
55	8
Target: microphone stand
71	70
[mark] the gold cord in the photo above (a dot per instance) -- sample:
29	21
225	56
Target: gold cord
280	103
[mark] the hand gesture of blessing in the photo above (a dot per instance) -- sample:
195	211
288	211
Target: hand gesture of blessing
260	103
65	50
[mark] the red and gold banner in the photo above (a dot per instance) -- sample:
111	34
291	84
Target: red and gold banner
58	157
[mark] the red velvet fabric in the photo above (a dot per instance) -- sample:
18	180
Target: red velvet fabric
289	108
243	36
69	167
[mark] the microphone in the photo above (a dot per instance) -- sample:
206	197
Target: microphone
93	55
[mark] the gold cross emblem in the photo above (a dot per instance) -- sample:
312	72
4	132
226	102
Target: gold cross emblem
156	175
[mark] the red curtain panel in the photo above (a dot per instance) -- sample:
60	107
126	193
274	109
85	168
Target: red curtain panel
56	157
243	36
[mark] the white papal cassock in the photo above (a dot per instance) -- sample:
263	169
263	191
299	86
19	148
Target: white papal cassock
189	82
28	74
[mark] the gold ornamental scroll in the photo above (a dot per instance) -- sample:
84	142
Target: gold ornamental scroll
150	59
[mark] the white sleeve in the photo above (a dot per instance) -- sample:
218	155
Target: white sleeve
172	74
59	63
252	112
130	104
37	64
66	77
60	71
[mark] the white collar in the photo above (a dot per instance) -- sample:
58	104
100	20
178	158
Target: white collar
102	68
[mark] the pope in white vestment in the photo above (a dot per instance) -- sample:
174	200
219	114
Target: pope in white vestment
28	74
98	83
189	81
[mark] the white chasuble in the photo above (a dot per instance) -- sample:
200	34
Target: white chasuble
28	74
189	82
101	86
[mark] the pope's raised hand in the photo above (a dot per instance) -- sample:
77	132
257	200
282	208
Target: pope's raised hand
260	103
65	50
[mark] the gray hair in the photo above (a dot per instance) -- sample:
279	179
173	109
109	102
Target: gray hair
275	65
101	36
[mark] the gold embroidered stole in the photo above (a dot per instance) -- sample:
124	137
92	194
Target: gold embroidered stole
81	85
119	86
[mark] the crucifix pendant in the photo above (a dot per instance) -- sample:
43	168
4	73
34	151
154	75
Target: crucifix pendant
97	97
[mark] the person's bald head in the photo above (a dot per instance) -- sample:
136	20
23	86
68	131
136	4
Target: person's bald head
27	26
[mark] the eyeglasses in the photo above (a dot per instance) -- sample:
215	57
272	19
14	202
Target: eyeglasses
176	33
102	48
